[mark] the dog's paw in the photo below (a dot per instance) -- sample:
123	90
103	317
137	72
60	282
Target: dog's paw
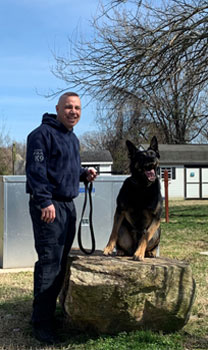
150	254
107	251
138	257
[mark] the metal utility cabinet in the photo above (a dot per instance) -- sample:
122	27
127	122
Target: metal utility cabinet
16	235
16	240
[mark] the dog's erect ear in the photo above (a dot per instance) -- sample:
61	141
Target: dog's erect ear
154	144
131	148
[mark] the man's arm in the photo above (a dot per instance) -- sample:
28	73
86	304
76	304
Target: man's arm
36	169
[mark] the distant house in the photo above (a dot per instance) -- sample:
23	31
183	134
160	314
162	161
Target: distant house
187	167
100	160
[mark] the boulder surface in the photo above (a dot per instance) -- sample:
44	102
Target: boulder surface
113	294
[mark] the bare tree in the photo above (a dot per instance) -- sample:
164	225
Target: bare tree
178	109
12	154
5	150
129	46
92	141
203	138
147	52
117	124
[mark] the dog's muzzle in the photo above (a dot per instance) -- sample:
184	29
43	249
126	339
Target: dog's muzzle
150	174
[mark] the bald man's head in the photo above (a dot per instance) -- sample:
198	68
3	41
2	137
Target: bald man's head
69	109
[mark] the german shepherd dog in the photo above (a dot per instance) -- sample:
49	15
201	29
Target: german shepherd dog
136	227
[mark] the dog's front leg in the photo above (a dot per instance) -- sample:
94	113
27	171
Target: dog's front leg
146	237
118	218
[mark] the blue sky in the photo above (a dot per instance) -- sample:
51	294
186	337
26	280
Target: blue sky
30	31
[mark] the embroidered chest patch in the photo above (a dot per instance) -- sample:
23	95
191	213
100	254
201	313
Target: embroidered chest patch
38	155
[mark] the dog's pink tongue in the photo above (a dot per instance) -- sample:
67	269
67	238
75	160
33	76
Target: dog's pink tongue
150	174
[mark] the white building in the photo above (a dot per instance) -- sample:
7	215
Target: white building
187	167
100	160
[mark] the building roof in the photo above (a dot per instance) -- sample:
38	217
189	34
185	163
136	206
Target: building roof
188	154
96	156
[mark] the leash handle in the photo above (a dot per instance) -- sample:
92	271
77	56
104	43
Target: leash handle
87	191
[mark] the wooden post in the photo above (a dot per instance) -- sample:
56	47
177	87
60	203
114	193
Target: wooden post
166	195
13	158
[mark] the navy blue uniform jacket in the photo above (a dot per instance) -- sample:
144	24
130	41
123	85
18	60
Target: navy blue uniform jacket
53	166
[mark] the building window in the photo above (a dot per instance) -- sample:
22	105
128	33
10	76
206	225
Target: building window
171	172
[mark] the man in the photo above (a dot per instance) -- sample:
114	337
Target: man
53	173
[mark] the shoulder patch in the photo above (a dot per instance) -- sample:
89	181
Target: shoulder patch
38	155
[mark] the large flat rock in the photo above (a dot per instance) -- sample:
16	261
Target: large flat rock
113	294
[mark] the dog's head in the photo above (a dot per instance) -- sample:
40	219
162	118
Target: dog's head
144	163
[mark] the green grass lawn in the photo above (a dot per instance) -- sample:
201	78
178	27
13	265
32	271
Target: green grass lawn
183	238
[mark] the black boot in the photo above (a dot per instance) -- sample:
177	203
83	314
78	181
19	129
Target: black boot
45	334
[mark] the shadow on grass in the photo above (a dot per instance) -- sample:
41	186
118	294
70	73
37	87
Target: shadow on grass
16	333
189	211
16	330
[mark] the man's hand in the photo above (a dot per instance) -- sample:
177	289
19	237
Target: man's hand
48	214
91	174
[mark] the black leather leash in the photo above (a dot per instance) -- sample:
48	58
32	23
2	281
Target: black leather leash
88	190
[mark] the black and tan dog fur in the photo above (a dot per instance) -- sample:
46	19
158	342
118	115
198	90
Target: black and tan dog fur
136	227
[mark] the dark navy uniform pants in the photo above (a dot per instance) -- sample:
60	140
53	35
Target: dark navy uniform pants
53	242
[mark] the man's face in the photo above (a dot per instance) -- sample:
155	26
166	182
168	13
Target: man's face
69	111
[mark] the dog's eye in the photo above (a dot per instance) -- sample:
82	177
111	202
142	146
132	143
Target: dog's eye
151	154
149	167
